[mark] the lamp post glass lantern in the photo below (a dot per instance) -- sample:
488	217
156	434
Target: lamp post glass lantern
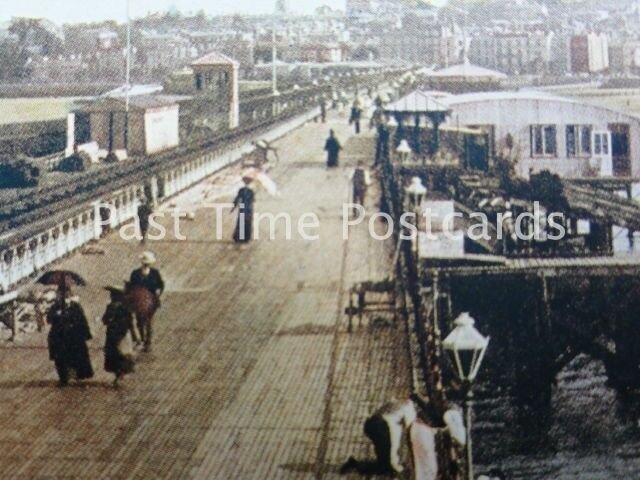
466	347
416	192
404	150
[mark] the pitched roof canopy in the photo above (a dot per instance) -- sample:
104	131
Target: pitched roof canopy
214	58
419	102
139	103
468	70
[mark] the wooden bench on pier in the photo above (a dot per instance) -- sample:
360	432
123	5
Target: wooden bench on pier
361	301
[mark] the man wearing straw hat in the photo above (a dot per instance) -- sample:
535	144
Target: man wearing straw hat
148	277
145	287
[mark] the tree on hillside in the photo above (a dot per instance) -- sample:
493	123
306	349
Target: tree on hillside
13	60
31	33
26	33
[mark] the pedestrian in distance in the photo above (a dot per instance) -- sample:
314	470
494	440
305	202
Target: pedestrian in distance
360	179
244	203
332	147
382	144
105	220
68	338
118	347
356	114
376	118
323	110
144	213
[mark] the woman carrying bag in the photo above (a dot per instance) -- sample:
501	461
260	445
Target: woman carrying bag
118	348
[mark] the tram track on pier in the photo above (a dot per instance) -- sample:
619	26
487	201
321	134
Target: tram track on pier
84	187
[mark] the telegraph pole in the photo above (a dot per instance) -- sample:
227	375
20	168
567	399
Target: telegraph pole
274	72
127	85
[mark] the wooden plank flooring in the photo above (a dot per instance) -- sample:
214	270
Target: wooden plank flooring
252	375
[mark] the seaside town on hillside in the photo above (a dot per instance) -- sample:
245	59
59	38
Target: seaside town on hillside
342	239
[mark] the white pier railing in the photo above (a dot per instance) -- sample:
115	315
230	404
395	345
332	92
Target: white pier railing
25	257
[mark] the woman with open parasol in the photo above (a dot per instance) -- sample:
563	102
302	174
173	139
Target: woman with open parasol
69	329
245	198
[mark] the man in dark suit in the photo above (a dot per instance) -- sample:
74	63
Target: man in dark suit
144	212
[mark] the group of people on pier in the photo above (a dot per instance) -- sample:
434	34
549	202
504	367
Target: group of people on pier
70	330
428	433
359	177
245	197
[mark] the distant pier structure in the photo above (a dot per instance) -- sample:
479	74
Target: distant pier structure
203	98
542	301
216	75
151	125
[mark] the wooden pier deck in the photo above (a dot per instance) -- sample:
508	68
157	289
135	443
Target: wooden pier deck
252	374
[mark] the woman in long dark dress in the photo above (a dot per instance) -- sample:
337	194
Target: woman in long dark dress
244	203
119	321
332	146
67	339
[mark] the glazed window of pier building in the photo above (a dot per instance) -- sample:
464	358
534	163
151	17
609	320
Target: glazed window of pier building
578	139
543	141
600	144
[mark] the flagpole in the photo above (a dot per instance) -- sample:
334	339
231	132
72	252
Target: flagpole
274	72
127	86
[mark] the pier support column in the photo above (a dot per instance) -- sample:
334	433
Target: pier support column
630	231
622	350
534	347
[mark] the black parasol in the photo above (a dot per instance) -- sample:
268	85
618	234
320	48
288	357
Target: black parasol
63	279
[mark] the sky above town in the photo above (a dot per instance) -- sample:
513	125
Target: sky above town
72	11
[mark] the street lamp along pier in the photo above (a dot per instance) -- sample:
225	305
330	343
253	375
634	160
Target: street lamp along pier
466	347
